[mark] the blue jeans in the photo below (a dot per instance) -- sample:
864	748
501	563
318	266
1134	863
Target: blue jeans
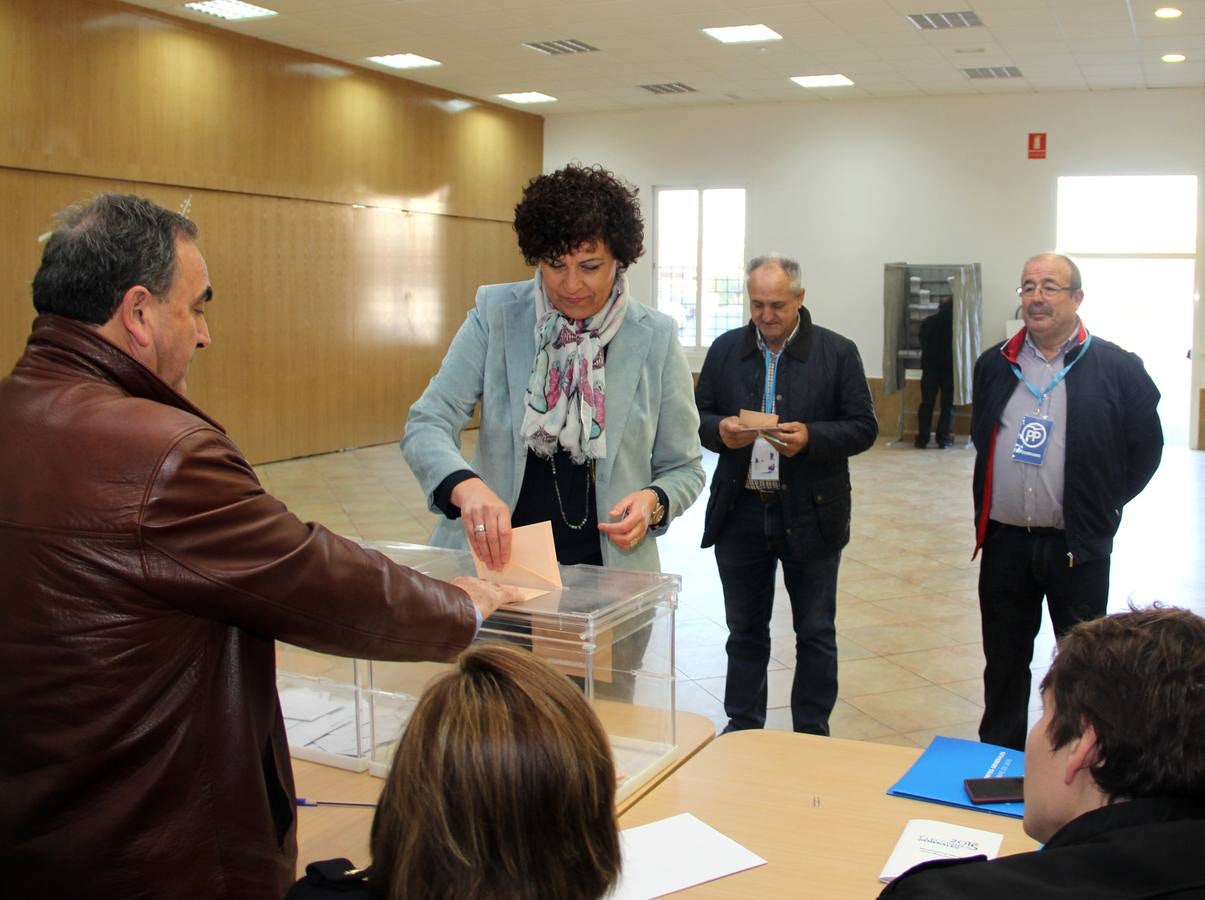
747	554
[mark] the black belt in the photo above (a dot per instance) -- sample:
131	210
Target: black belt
1029	529
767	496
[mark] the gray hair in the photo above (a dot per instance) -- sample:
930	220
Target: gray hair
791	267
102	248
1077	281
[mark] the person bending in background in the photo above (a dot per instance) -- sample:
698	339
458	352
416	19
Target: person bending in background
937	376
502	786
1114	773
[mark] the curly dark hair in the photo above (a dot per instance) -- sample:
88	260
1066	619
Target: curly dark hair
574	206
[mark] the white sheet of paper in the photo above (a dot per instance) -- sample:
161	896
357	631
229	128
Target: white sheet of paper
926	839
674	854
306	704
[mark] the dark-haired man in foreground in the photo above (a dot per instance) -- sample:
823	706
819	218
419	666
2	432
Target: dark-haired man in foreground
144	575
1114	773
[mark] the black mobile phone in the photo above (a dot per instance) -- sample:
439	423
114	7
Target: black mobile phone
995	790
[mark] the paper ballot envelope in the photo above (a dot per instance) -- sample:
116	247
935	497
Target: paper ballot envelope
766	423
534	571
532	567
752	419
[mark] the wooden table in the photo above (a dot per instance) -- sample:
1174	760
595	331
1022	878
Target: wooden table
326	832
815	808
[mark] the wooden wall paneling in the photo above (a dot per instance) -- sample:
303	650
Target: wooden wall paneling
30	199
142	96
418	276
326	323
279	373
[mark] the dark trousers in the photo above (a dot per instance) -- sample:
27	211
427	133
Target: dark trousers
747	553
931	381
1018	569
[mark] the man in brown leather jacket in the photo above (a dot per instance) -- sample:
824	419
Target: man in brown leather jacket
144	575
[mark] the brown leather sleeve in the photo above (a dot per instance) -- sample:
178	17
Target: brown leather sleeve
214	544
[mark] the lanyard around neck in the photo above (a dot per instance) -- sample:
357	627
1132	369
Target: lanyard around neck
771	359
1054	382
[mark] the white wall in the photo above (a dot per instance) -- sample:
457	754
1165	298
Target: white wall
847	186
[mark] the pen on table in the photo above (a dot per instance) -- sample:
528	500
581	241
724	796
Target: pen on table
302	801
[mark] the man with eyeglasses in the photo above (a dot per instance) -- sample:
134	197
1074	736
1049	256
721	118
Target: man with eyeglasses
1066	433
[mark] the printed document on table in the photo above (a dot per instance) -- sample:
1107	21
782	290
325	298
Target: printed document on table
674	854
925	839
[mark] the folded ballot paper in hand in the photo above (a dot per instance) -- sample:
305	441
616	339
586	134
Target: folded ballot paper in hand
532	568
938	774
925	839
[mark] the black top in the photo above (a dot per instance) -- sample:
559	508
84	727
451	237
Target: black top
1145	848
937	339
336	879
538	502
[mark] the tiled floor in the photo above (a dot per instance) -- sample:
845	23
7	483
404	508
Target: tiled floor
907	619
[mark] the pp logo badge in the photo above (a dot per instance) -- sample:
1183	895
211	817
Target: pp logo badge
1033	437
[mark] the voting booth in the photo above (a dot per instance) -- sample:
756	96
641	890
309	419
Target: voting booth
610	630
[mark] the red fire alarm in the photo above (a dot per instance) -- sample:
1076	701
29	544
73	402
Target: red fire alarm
1037	145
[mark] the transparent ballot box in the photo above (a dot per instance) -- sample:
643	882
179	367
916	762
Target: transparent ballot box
610	630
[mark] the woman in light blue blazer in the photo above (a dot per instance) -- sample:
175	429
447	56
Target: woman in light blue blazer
587	404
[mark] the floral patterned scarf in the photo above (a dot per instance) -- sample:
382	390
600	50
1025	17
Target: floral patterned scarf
566	396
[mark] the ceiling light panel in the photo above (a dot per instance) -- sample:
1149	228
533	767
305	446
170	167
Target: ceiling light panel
1173	57
560	48
817	81
231	10
404	61
1168	12
527	97
743	34
942	20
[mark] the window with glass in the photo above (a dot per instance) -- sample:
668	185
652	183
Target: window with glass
1134	238
699	258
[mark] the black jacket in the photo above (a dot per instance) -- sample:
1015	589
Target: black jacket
820	383
1146	848
937	339
1114	439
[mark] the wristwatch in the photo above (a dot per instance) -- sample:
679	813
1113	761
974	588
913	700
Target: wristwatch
658	510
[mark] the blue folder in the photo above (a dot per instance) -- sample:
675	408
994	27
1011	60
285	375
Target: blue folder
938	774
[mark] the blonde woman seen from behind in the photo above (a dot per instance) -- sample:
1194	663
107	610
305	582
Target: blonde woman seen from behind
503	786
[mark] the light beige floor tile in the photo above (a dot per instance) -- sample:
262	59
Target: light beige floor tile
852	724
944	664
902	638
848	648
934	603
968	731
859	615
874	675
916	708
971	688
885	587
963	628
